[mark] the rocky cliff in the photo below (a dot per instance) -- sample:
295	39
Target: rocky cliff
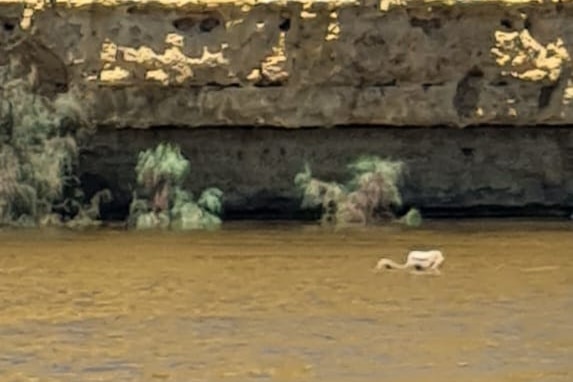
297	64
301	64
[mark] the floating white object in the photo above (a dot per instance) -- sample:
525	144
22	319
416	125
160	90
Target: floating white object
419	260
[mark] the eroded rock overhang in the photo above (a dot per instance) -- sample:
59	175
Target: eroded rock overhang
297	64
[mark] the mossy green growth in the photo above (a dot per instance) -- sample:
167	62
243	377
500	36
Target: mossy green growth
162	202
413	218
165	164
371	194
38	154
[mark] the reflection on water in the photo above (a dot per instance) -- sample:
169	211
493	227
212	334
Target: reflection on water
285	303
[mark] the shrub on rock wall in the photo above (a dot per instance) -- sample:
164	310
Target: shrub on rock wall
371	195
38	156
161	201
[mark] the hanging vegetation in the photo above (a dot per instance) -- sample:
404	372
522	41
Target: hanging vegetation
371	195
160	200
38	156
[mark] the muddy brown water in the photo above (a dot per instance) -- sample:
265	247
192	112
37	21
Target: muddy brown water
287	303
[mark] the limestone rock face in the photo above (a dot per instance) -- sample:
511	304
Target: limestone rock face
298	64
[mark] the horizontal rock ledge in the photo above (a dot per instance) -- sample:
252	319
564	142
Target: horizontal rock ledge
298	64
309	107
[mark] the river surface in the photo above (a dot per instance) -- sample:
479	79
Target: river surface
278	302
